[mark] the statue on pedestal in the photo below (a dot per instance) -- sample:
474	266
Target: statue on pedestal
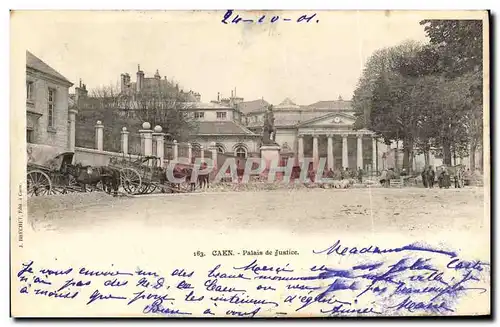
269	131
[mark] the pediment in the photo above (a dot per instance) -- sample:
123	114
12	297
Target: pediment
331	119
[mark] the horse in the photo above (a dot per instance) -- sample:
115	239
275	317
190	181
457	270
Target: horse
88	175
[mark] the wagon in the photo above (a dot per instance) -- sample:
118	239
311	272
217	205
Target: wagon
140	175
46	173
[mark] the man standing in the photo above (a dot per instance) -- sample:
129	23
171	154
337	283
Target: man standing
431	176
424	177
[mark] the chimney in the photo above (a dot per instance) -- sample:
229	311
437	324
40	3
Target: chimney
218	96
80	92
140	79
232	94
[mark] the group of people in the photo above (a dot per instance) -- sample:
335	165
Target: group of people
429	177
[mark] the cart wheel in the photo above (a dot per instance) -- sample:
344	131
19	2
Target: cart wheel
38	183
130	180
151	188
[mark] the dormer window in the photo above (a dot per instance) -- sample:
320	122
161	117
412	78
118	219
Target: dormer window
221	115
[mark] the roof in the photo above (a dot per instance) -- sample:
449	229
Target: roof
287	104
204	105
331	105
222	128
36	63
253	106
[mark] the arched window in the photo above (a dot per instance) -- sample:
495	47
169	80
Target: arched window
240	152
220	148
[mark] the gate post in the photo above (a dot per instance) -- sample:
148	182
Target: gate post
176	150
190	152
124	142
147	135
160	149
99	135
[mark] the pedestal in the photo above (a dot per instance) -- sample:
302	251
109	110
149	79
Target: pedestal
270	153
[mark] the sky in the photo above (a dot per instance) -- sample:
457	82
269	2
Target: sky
306	62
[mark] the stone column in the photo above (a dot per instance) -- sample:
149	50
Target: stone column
176	150
301	149
72	129
213	149
202	153
345	158
99	135
359	148
374	154
160	147
315	151
124	140
190	152
331	162
147	136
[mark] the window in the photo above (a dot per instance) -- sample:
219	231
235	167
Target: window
220	149
29	90
199	114
29	136
221	115
51	105
240	152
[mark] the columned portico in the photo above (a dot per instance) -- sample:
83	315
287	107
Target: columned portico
326	144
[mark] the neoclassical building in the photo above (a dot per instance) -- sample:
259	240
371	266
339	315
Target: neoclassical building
323	129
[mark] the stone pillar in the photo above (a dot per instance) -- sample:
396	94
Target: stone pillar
374	154
202	153
176	150
147	136
301	148
190	152
124	140
99	135
160	147
331	162
315	151
213	149
72	129
345	158
359	148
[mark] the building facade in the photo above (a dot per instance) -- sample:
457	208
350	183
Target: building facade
48	117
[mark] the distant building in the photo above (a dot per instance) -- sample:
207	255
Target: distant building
47	108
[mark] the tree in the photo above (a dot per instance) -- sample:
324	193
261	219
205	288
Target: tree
116	110
459	44
383	99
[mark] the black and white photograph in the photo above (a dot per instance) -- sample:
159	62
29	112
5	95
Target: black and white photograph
250	163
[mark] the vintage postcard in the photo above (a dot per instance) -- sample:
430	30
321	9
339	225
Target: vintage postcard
247	164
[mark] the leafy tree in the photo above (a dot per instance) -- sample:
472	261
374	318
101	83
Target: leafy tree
459	44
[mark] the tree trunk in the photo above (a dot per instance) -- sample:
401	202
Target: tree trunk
426	158
446	152
408	149
472	156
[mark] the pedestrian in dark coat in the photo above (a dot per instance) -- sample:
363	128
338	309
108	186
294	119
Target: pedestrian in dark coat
431	177
424	177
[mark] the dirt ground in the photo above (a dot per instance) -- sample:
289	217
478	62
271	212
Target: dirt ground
297	211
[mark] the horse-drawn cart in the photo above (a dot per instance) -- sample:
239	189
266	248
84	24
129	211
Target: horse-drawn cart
143	175
46	174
